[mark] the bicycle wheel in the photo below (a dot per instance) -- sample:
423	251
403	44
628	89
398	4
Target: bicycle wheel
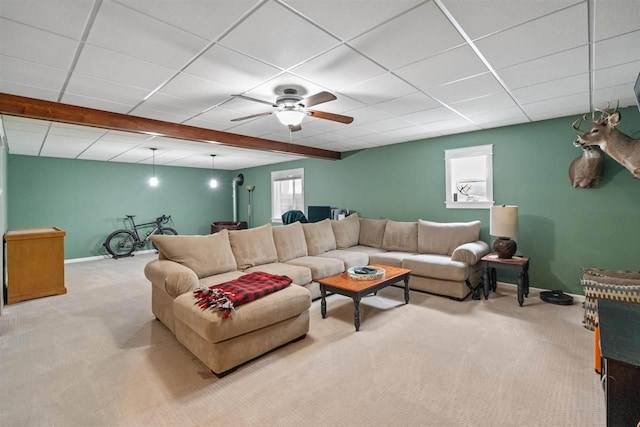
167	231
120	243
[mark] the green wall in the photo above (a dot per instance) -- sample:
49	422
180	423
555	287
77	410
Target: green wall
561	228
89	199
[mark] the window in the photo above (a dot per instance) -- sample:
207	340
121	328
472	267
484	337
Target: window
287	192
469	177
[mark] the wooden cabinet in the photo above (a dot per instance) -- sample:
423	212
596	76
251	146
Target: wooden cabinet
35	263
620	343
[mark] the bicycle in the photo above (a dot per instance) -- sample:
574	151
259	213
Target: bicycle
122	243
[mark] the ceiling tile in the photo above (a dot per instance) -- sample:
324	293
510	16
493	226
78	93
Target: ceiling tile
502	117
622	94
166	116
83	85
378	89
76	131
480	18
447	127
389	124
552	67
98	104
195	89
626	73
116	67
31	44
447	67
30	74
65	146
553	33
616	51
408	104
224	66
28	91
338	16
390	45
616	17
469	88
486	103
124	30
25	143
548	107
208	19
368	115
353	68
64	17
553	89
272	34
430	115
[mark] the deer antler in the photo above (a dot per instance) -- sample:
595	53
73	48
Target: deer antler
464	189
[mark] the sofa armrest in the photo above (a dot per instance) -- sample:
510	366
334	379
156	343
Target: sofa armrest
470	253
173	278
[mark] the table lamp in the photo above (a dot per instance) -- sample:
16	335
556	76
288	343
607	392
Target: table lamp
504	225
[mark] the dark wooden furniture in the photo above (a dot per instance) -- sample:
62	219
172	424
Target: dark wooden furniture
520	264
35	263
619	324
344	285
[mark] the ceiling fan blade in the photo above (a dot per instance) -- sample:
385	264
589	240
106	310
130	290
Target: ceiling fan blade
318	98
253	116
295	128
330	116
248	98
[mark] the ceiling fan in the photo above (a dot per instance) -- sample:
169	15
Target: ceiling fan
292	108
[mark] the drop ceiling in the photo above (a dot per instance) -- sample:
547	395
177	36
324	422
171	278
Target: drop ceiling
404	69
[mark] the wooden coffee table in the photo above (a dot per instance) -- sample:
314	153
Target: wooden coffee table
344	285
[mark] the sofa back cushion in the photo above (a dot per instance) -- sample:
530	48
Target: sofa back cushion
400	236
346	231
444	237
290	241
253	247
319	237
371	232
205	255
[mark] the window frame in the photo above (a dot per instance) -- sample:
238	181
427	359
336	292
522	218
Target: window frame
485	151
285	175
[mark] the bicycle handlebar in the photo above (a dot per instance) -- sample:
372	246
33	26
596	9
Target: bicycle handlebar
163	219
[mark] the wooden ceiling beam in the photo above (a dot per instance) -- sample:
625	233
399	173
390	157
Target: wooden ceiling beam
32	108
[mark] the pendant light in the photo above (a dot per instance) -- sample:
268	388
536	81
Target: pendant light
153	181
213	183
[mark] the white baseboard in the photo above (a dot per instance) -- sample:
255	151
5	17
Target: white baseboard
95	258
576	297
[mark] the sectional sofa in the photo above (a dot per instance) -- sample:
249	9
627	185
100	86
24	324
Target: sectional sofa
444	259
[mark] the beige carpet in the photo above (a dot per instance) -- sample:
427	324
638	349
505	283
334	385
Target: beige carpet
97	357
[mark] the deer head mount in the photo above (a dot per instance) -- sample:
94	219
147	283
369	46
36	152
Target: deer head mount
586	170
620	147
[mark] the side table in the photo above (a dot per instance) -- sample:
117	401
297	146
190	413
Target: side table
518	263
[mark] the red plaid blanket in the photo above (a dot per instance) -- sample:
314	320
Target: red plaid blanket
226	296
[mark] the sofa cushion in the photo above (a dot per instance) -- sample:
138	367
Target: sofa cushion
346	231
319	237
253	247
400	236
271	309
299	275
443	238
365	250
320	267
437	267
470	253
290	241
393	259
205	255
371	232
350	258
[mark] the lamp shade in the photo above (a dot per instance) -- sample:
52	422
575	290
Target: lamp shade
290	117
504	221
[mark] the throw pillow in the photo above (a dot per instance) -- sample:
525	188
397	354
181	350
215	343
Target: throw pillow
253	247
205	255
290	241
400	236
444	237
319	237
346	231
372	232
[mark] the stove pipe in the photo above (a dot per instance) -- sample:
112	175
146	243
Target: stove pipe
236	182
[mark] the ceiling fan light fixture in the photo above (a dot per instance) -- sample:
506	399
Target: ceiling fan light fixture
290	117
